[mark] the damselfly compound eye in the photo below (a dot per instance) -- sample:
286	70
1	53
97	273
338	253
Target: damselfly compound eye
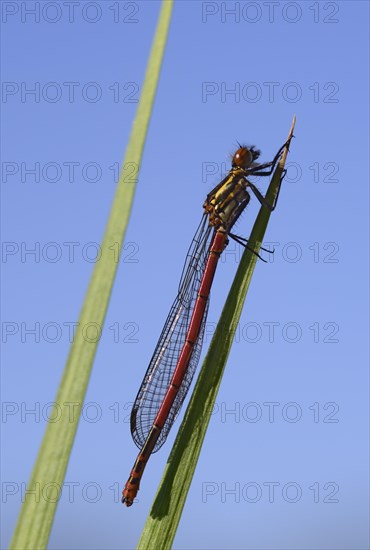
242	158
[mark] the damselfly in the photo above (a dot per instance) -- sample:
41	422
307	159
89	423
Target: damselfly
176	355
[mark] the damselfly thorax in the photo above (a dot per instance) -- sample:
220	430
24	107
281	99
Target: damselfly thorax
226	202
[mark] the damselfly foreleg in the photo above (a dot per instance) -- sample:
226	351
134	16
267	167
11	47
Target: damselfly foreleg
259	169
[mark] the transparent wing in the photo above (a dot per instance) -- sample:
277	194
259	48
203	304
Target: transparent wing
169	346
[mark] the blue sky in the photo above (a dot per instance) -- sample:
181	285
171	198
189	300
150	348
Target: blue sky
284	463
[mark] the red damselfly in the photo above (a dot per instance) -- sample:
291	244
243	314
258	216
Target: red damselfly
177	353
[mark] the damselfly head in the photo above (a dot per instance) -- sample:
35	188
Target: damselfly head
245	156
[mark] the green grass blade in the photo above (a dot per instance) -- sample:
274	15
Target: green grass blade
36	515
161	525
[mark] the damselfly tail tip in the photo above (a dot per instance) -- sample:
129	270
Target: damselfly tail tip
127	501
